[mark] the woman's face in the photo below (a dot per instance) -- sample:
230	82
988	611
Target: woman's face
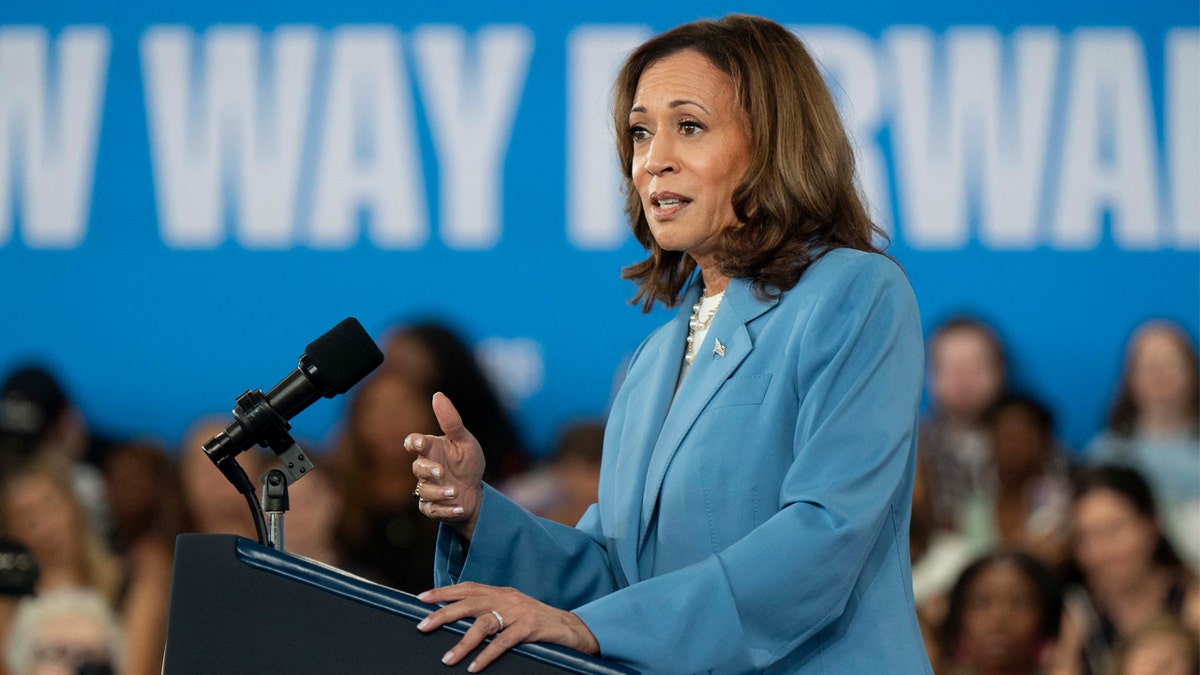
1114	544
41	518
1019	444
966	376
690	152
1001	619
1158	372
392	408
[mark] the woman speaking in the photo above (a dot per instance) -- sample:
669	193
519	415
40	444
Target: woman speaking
758	461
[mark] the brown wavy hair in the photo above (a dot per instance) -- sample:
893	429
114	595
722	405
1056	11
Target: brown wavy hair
798	199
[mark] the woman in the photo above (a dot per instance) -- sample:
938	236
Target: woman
1153	427
757	469
968	372
1027	510
1130	574
40	511
1005	612
380	528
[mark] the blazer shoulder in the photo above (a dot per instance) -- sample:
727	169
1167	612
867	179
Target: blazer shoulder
841	263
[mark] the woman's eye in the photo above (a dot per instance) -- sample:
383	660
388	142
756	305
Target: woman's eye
690	127
638	133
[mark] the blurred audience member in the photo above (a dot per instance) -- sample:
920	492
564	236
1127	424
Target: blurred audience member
565	485
381	528
1153	427
967	374
43	423
434	358
148	514
1004	616
938	556
212	503
39	510
1130	573
64	633
1028	511
1163	647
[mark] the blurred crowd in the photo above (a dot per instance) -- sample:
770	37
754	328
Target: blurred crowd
1027	557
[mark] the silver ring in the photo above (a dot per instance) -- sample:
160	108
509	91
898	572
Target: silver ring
498	618
417	492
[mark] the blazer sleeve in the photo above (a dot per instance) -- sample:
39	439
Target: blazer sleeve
759	599
561	566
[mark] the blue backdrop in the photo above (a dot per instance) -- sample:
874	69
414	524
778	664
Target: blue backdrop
191	192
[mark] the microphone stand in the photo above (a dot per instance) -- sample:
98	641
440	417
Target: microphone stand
267	428
274	504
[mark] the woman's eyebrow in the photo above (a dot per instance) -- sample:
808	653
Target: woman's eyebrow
673	104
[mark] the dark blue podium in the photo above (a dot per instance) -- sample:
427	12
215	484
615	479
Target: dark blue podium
239	607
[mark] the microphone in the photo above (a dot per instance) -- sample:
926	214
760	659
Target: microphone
330	365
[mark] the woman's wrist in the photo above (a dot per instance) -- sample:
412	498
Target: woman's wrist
587	641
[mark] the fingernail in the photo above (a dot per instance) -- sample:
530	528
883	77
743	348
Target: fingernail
449	492
423	625
458	511
423	596
419	443
437	472
447	658
471	668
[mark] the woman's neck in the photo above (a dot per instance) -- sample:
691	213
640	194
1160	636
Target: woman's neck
1163	420
714	281
1131	606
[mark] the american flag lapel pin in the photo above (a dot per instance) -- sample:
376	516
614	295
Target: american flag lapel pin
718	349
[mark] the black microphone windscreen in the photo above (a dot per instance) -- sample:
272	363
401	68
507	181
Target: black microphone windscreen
343	356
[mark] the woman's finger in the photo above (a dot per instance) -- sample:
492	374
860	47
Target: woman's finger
429	492
421	444
453	513
484	625
449	420
501	642
427	470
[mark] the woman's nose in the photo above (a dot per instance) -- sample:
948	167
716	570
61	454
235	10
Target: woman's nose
660	156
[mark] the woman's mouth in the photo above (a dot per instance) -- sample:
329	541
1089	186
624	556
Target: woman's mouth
667	205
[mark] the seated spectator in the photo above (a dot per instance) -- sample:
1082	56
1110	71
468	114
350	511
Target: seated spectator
1004	616
1128	573
1028	510
565	485
37	414
967	374
212	503
65	632
39	510
381	527
1163	647
1152	427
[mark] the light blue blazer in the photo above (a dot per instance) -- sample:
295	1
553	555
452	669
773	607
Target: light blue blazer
757	520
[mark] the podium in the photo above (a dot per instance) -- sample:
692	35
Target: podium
239	607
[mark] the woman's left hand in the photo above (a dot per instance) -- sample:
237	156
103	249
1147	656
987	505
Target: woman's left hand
506	613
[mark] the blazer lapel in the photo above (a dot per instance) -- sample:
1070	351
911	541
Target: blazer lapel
712	365
651	385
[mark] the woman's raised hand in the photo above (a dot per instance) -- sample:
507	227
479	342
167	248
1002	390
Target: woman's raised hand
449	470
